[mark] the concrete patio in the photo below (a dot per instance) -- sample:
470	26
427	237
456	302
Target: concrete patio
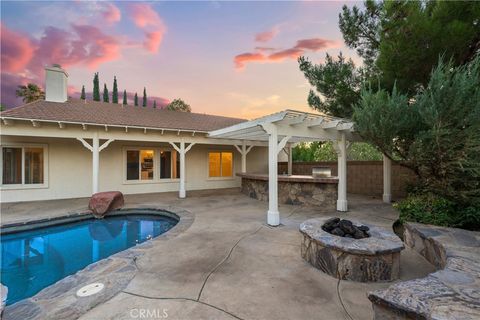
230	265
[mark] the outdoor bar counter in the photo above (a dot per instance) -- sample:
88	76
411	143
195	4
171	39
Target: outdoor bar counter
293	189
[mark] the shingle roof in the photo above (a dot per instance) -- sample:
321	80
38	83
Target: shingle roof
79	111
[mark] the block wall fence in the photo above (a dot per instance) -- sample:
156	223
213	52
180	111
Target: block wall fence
363	177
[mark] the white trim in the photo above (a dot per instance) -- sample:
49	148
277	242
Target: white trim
85	124
23	185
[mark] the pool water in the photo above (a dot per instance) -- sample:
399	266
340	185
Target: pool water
35	259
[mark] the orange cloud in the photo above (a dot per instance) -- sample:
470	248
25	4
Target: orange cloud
301	47
241	59
111	14
17	50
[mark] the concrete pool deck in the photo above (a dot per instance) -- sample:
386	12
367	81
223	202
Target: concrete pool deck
230	265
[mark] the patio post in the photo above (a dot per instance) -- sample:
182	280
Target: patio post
244	151
182	150
95	161
341	146
387	179
289	169
273	216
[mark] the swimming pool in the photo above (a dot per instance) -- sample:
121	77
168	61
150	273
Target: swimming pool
35	259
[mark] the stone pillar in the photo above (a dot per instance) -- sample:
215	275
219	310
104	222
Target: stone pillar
387	179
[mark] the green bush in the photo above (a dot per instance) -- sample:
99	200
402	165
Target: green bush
436	210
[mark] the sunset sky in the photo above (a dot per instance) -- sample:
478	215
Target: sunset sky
225	58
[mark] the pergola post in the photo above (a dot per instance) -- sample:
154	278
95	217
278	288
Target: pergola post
289	165
182	150
273	216
387	179
342	204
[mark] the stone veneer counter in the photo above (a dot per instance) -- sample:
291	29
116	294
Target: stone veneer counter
294	189
372	259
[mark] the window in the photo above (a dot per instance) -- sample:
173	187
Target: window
140	164
151	164
220	164
23	165
169	165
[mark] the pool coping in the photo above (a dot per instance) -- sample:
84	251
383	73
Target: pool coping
115	271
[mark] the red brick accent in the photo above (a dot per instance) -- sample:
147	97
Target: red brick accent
363	177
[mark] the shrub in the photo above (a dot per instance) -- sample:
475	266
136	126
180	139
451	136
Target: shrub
431	209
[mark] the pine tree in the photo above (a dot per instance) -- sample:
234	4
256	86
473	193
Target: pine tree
125	97
144	102
96	88
105	93
154	104
115	91
82	96
136	100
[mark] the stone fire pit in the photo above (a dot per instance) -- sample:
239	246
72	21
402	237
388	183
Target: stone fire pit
372	259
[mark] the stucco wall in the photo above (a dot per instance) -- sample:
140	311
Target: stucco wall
70	169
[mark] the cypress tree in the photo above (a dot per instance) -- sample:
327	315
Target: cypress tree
144	102
136	100
82	96
115	91
105	93
154	104
125	97
96	88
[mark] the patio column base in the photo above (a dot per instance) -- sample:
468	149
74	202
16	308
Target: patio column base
182	194
387	198
273	218
342	205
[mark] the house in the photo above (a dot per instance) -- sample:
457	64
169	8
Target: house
67	148
61	148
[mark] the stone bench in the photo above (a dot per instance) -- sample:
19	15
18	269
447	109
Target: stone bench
452	292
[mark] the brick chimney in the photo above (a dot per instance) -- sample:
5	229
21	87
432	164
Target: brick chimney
56	84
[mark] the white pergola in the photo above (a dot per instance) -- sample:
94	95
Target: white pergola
290	127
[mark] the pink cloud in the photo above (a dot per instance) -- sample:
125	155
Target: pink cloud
266	35
153	40
82	45
112	13
143	15
146	18
17	50
300	48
